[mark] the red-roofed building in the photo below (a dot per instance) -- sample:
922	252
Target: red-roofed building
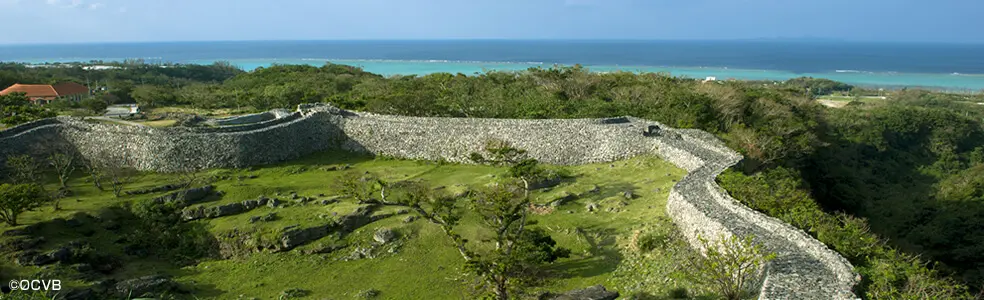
43	94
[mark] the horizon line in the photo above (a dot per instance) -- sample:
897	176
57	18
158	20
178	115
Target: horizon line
763	39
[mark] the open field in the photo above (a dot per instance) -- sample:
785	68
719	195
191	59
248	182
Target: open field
159	123
837	101
422	263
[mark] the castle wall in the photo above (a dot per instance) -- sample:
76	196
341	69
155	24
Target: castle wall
804	268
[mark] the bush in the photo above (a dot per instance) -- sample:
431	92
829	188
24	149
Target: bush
885	272
731	265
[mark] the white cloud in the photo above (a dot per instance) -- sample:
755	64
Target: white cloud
95	6
75	3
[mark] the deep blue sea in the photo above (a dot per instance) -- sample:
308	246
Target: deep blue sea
946	66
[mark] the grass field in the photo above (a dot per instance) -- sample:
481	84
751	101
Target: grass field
425	265
159	123
837	101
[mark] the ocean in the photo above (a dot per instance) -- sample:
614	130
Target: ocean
940	66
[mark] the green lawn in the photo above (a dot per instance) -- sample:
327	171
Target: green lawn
425	265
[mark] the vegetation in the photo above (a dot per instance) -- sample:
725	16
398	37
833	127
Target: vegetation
17	109
731	264
16	199
146	241
892	184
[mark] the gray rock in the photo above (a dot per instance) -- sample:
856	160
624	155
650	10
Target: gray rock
224	210
33	258
254	219
191	214
274	203
143	286
269	217
384	235
591	206
22	243
298	236
251	204
594	189
628	195
409	219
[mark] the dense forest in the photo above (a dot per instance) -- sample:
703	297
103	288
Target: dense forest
896	186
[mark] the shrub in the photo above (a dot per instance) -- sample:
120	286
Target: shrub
730	265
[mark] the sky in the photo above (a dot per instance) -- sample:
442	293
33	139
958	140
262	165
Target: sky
89	21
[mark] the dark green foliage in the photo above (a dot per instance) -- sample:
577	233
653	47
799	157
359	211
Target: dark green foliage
16	109
96	105
886	272
157	231
16	199
817	86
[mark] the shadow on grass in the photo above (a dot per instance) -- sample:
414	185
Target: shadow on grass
604	256
113	247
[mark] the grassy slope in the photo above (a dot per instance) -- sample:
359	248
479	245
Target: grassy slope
425	266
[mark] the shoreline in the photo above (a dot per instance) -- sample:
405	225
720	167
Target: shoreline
392	67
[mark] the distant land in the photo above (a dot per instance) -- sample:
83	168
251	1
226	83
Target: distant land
957	67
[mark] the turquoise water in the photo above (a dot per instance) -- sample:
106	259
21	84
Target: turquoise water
941	66
873	79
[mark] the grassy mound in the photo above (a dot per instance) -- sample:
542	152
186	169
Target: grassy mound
610	215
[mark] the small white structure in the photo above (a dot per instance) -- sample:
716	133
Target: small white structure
710	78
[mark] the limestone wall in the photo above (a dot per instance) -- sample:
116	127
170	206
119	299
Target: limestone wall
804	269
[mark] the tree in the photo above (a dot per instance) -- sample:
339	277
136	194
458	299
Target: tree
729	264
25	168
152	96
518	251
16	109
64	164
94	104
16	199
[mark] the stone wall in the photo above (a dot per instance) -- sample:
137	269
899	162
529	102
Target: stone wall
804	269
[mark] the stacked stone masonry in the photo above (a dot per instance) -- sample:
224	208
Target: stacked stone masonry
804	268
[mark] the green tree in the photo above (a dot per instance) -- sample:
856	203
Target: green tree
25	169
17	109
730	264
16	199
95	105
152	96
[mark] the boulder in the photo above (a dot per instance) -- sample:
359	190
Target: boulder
251	204
254	219
628	195
409	219
143	286
33	258
591	206
274	203
384	235
22	243
298	236
191	214
224	210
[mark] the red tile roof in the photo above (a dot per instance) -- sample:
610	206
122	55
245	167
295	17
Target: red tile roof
32	90
70	88
47	91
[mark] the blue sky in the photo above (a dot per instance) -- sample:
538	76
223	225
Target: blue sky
75	21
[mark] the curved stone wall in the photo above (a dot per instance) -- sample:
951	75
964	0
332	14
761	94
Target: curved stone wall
804	269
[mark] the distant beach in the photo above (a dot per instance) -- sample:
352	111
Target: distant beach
947	67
